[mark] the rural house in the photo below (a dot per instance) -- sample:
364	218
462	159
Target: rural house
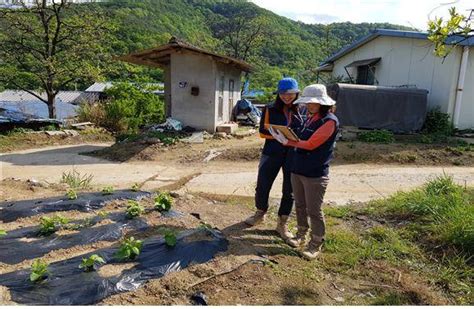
405	58
201	87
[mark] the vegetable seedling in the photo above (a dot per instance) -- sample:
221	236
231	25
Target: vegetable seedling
108	190
170	238
134	209
103	214
163	202
89	264
50	225
71	194
39	271
135	187
129	249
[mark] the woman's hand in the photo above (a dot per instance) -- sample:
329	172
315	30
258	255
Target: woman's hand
278	136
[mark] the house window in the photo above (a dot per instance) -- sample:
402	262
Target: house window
365	75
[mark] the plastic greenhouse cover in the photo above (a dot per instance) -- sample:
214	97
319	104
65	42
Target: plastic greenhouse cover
69	285
13	251
10	211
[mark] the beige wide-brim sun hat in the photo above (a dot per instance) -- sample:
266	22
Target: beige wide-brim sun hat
315	93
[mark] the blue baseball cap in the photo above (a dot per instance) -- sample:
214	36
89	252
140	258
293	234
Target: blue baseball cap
287	85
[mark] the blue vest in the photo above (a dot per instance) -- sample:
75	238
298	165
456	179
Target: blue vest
315	163
273	147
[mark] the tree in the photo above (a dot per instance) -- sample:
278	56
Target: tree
49	45
240	28
457	29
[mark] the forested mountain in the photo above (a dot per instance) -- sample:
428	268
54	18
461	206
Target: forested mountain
273	44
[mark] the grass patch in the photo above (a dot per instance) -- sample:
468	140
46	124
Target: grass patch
338	212
76	180
377	136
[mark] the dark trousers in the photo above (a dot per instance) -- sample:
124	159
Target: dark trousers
267	173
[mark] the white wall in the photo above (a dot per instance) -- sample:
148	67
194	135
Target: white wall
196	71
408	61
229	73
466	121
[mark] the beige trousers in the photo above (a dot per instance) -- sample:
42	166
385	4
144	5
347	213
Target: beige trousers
309	195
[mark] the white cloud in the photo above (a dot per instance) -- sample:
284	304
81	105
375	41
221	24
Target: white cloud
404	12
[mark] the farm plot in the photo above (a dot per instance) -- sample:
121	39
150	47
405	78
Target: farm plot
78	250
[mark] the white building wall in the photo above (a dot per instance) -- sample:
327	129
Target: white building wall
408	61
196	71
466	121
229	74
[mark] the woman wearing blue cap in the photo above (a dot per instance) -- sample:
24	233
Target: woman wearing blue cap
310	166
276	156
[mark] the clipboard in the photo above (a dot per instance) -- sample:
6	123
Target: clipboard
286	131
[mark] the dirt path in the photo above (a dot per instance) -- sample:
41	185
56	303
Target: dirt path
48	164
349	182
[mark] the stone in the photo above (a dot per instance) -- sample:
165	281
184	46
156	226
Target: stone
229	128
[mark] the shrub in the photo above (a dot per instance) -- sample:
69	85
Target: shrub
163	202
129	107
129	249
377	136
438	124
39	271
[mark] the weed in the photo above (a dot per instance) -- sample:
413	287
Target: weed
129	249
108	190
376	136
71	194
134	209
76	180
39	271
163	202
393	299
49	225
338	212
90	263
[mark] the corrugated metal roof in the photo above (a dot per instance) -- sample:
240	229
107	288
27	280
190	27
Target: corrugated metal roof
101	87
72	97
392	33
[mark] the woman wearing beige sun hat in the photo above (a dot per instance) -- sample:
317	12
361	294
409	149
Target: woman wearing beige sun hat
310	165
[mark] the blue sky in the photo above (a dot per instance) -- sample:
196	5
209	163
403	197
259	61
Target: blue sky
412	13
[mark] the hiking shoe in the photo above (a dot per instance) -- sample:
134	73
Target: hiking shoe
256	218
282	228
312	251
300	238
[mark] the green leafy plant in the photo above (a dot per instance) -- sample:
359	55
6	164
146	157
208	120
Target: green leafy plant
3	233
377	136
163	202
76	180
170	238
108	190
134	209
71	194
89	264
437	124
129	249
39	271
49	225
136	187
